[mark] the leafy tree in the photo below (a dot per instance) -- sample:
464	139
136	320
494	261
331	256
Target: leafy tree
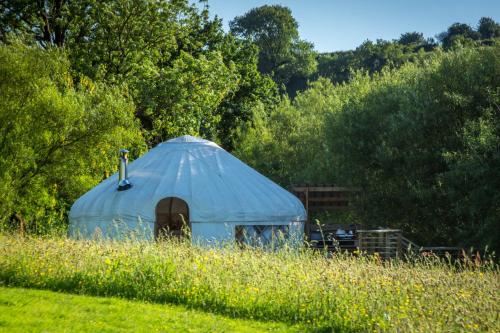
184	79
289	144
253	91
370	57
186	96
49	22
488	28
275	31
284	144
458	34
127	40
421	142
410	47
472	182
183	72
58	138
409	38
408	143
337	66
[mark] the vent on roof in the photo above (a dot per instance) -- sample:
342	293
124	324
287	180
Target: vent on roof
123	182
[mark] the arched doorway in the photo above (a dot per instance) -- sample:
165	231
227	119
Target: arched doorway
172	218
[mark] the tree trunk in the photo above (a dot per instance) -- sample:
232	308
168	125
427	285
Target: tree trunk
22	224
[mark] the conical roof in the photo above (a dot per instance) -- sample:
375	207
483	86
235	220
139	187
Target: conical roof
217	187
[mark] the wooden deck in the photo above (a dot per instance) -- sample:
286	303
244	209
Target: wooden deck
386	243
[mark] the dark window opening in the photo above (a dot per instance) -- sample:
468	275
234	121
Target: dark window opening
261	235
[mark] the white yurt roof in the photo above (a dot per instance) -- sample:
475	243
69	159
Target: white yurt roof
217	187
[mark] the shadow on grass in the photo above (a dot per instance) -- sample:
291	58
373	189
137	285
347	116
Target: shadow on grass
208	307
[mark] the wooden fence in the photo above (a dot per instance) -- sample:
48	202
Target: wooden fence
386	243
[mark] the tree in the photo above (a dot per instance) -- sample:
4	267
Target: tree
488	28
58	138
409	38
128	40
458	34
253	91
182	71
48	21
419	142
184	98
275	31
370	57
337	66
285	144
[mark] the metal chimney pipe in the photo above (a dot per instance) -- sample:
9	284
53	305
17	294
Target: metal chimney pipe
123	182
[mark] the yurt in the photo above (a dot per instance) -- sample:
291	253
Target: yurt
187	184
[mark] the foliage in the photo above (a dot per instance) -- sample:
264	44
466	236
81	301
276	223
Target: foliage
421	142
456	32
192	89
58	138
183	71
488	28
472	182
184	74
282	53
341	294
253	91
24	310
461	34
409	38
406	129
47	22
288	145
373	57
166	52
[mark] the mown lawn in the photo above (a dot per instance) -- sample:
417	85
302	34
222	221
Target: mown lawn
25	310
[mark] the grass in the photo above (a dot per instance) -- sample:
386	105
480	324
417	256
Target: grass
342	294
24	310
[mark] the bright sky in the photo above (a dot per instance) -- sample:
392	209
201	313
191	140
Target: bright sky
334	25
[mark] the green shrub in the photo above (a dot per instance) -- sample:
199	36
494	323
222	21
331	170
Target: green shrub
59	136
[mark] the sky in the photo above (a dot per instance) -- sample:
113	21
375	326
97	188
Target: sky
334	25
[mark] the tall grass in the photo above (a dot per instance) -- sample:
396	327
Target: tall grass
340	293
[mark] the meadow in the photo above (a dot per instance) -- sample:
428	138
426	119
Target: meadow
342	294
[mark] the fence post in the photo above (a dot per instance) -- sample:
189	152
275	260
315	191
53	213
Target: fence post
360	241
308	222
399	243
